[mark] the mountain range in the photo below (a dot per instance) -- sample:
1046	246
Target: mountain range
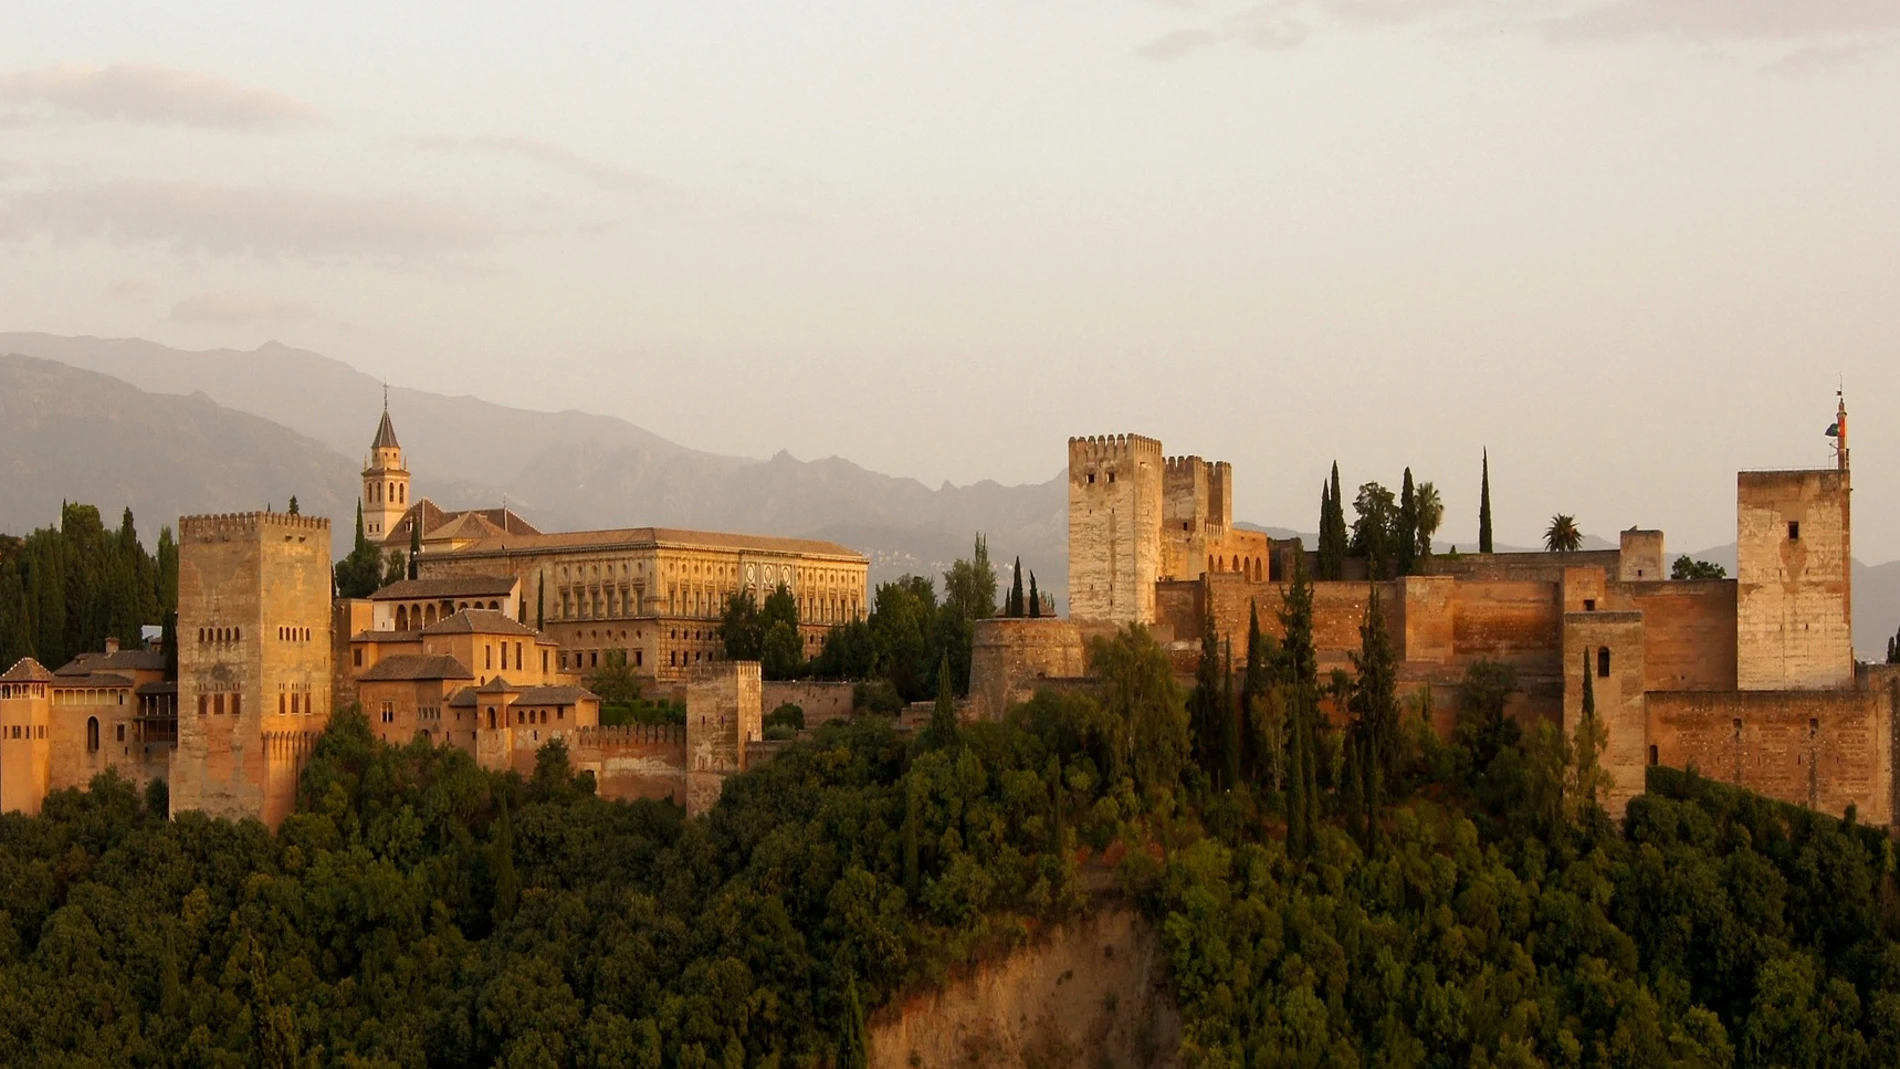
127	422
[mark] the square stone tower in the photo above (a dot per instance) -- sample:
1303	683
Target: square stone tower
254	685
1115	517
1794	581
725	710
26	716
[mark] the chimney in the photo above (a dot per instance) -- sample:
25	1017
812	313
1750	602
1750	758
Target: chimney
112	645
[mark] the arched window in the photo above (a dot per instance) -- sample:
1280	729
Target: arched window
92	734
491	718
1603	662
429	614
402	617
1236	562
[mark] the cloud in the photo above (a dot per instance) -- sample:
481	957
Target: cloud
1724	20
1384	12
222	308
1816	59
138	92
1268	27
548	154
204	219
121	288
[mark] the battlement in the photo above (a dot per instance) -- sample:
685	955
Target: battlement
631	735
246	524
1096	447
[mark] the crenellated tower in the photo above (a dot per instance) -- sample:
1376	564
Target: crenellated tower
385	482
1115	517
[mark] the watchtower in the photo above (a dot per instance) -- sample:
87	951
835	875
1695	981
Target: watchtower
1115	517
26	708
254	686
1794	576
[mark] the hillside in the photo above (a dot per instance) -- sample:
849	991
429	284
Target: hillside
585	471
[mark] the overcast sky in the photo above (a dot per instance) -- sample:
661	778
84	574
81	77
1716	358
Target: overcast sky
1628	245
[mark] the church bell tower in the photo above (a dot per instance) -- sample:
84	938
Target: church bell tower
385	482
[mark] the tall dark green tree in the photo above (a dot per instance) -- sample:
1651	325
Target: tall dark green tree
1016	591
502	858
943	715
1374	529
1230	722
415	543
293	504
1374	706
969	586
1253	691
1035	598
541	603
1484	507
358	574
1300	675
1405	531
1204	702
1333	539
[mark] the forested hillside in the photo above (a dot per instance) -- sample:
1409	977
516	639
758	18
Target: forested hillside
1473	907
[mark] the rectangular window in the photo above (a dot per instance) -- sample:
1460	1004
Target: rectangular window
217	705
504	656
357	656
1794	531
121	732
204	704
235	700
544	662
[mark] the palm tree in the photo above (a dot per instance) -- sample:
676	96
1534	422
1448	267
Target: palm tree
1431	512
1562	535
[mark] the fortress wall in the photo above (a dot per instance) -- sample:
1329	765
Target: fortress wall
723	714
1517	622
1427	631
1825	750
1607	648
1010	658
1794	610
822	701
1689	632
1115	517
1535	567
634	761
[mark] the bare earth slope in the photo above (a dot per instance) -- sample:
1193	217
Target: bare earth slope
1086	994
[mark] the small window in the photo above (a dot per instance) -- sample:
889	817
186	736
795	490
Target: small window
1091	477
1589	604
1814	727
1737	724
1653	759
1603	662
1111	476
92	734
120	732
357	656
1794	531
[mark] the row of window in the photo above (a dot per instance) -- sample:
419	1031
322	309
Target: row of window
23	690
33	731
395	494
220	634
293	634
214	703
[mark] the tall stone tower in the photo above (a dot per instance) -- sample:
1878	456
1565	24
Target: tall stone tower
1794	576
26	710
253	660
385	482
724	712
1115	516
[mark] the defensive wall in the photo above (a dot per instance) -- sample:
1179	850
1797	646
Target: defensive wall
822	701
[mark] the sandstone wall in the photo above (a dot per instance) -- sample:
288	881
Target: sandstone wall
1115	516
1537	567
1607	647
1010	658
635	761
1083	995
1794	611
1822	749
25	761
1689	632
723	713
822	701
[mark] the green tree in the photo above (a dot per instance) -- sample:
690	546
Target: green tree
1015	602
1035	598
1374	707
396	568
1405	528
1204	703
1145	708
540	602
1374	532
1562	535
942	730
358	574
293	504
1299	678
415	543
502	850
1333	545
1431	513
970	585
1687	567
1484	507
615	681
741	627
1589	780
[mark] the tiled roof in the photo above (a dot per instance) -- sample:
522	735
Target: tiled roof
502	522
478	622
415	666
158	688
385	434
554	695
460	586
654	536
91	679
462	699
119	661
27	670
387	636
498	685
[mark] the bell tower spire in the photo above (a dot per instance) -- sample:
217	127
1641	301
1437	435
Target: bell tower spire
1839	431
385	481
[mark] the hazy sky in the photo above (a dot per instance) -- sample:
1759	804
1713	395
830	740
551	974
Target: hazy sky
1629	245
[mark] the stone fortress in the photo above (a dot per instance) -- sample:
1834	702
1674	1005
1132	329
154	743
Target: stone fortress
266	652
1751	680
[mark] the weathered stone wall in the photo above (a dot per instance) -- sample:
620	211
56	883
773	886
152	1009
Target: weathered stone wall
348	617
1688	631
1607	647
1533	567
1822	749
821	700
253	622
1794	611
635	761
1115	516
1010	658
724	712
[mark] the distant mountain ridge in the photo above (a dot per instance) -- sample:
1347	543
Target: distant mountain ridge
573	470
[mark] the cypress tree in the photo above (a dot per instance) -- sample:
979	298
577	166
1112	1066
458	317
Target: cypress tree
541	603
1336	529
910	839
507	884
1406	537
1204	703
1300	667
854	1047
1058	819
415	542
943	716
1325	546
1484	507
1230	722
293	504
1016	590
1253	689
1035	599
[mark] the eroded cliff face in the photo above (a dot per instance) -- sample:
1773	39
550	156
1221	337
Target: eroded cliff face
1086	994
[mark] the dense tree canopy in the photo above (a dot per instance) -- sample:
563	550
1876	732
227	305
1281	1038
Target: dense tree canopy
64	590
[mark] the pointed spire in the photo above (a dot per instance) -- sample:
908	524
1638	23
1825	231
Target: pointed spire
385	431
